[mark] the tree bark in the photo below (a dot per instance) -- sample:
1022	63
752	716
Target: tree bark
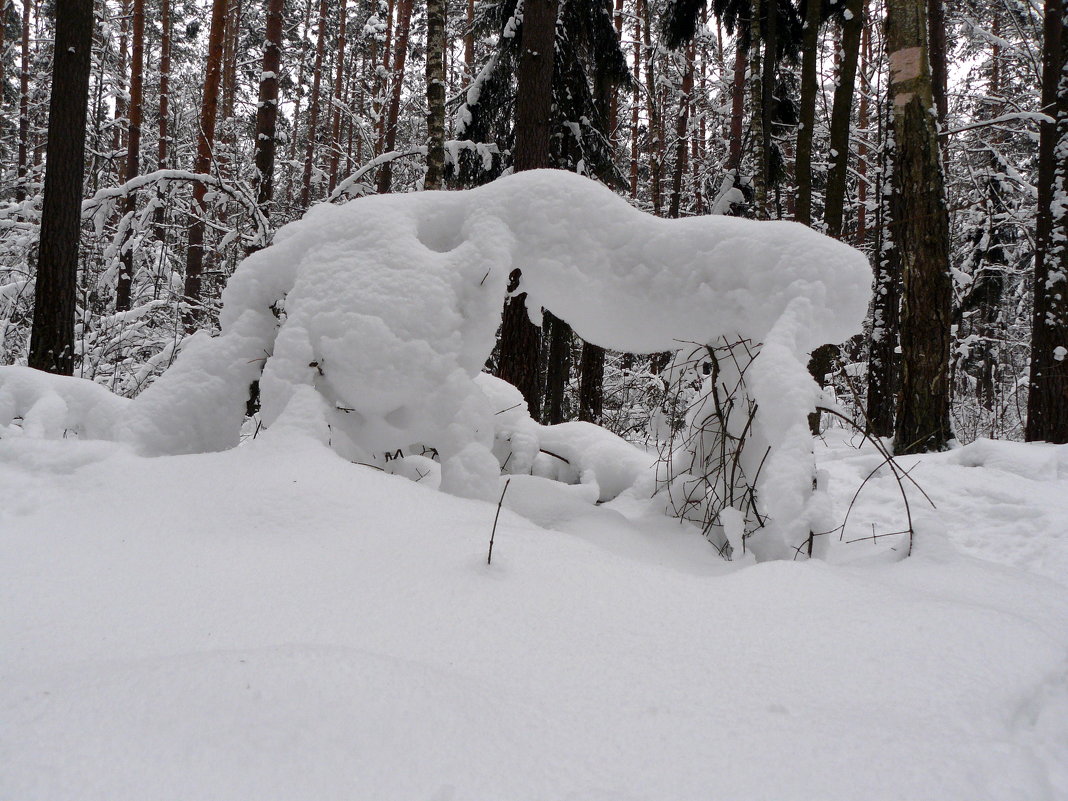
520	339
267	108
921	233
24	105
339	76
209	109
557	368
1047	405
52	334
133	153
163	140
805	130
681	127
313	108
435	94
400	55
841	119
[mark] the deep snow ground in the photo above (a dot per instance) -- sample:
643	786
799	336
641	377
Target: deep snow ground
272	622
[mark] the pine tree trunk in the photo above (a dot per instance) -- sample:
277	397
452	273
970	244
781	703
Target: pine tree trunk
52	335
656	164
936	16
883	360
209	109
162	142
400	55
734	157
681	142
921	234
335	118
1047	405
133	153
469	41
862	124
435	94
806	128
313	108
120	94
557	368
520	340
267	108
841	119
635	103
24	105
381	84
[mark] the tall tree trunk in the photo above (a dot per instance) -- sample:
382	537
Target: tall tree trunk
267	108
841	118
557	368
862	124
52	335
635	103
117	138
133	153
921	233
681	126
336	106
435	94
656	132
520	341
936	16
809	89
209	110
469	41
313	108
301	71
382	84
24	104
757	88
400	55
163	138
737	135
1047	404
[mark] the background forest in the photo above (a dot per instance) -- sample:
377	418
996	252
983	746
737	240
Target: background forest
212	125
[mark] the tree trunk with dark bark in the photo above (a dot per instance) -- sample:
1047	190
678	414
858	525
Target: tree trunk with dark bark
313	108
133	152
841	119
209	109
921	234
52	335
805	129
1047	405
520	338
267	108
400	55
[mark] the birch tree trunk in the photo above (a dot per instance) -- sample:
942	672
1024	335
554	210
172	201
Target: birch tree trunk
435	94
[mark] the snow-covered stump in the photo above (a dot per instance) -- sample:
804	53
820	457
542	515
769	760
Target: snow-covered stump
367	326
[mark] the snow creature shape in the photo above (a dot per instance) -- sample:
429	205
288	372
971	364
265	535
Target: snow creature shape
369	322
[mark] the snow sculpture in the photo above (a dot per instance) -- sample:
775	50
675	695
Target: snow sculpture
367	323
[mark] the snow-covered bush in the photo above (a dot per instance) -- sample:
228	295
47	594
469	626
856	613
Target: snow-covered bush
366	324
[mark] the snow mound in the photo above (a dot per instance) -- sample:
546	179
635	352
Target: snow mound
387	307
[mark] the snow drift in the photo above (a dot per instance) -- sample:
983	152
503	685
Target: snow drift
366	323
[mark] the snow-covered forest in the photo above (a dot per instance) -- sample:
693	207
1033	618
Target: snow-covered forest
533	399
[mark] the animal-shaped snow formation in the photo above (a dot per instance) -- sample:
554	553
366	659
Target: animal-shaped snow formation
367	322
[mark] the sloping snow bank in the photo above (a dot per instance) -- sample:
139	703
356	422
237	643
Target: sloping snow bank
273	623
377	315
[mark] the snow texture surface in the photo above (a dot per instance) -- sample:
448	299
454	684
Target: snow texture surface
273	622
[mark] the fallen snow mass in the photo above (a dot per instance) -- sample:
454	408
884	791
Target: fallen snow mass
274	622
366	323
